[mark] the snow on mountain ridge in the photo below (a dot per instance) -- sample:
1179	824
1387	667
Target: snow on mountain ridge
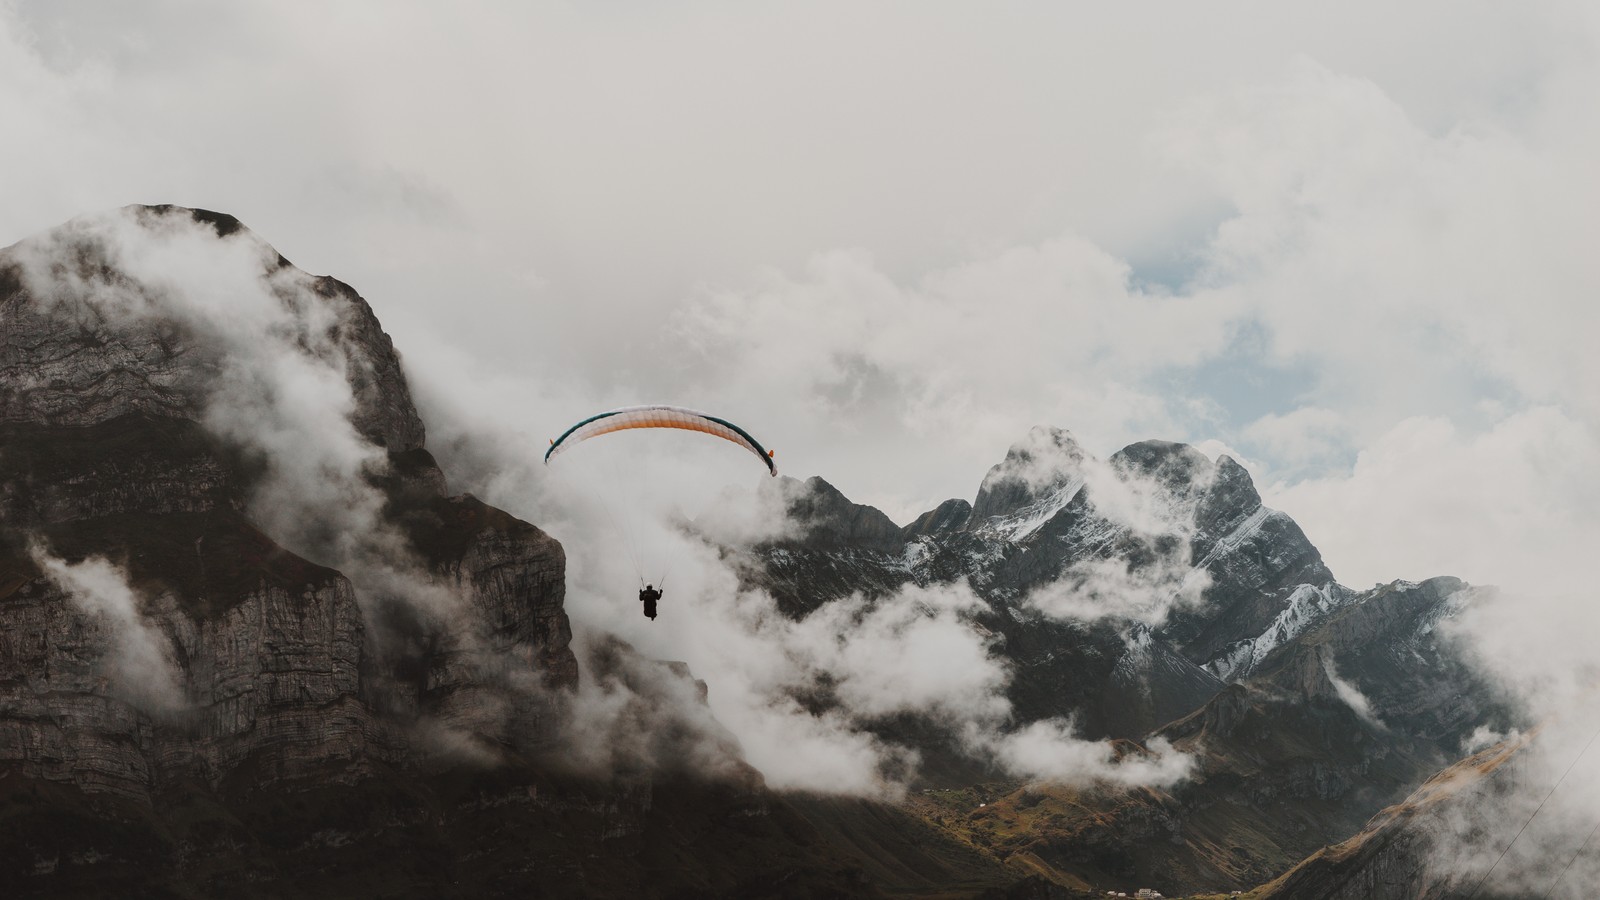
1236	538
1305	607
1449	609
1019	525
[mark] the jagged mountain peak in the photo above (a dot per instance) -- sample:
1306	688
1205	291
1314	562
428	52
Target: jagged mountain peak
1045	459
1214	495
1039	475
224	224
1219	492
824	515
1170	461
951	515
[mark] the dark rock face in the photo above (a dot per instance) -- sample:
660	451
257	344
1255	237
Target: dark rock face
825	517
274	681
1388	644
133	464
951	515
1286	761
1041	463
1182	471
111	379
1153	683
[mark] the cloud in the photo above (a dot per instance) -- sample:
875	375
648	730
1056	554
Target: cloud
1301	438
273	363
1048	750
1484	737
976	193
1514	505
1351	695
1522	831
1429	279
1116	589
138	662
802	698
1151	581
939	362
631	714
917	651
267	360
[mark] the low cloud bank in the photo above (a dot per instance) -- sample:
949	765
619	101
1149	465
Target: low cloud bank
1048	750
803	696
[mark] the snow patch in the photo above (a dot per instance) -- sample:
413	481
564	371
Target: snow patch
1308	605
916	553
1020	525
1449	608
1238	536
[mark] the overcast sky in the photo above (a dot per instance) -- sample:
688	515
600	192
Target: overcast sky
1352	244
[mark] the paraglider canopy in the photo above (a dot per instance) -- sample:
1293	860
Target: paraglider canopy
659	416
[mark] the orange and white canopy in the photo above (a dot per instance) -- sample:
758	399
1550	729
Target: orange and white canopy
658	417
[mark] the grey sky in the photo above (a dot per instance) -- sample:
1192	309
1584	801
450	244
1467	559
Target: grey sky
891	237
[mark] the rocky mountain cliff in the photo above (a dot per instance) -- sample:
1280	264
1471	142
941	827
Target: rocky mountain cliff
110	396
1152	595
250	644
1404	852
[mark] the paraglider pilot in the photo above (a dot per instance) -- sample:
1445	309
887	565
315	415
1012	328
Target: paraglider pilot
648	597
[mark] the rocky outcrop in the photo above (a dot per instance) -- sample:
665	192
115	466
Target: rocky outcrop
1392	645
1041	462
948	516
824	517
201	649
135	464
507	582
1257	559
84	339
1395	857
1153	683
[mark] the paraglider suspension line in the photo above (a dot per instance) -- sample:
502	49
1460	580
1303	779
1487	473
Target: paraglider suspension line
1482	881
1557	883
616	525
